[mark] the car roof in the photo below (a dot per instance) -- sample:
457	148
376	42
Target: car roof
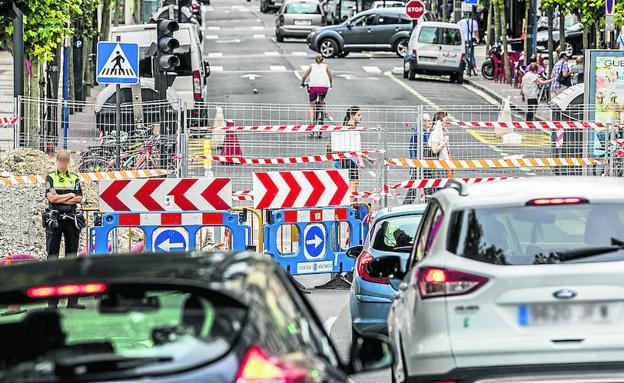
400	210
518	192
203	270
398	10
439	24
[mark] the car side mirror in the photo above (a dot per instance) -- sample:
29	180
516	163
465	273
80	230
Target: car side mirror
371	352
206	69
355	251
386	267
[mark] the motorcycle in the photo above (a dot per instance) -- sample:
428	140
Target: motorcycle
487	69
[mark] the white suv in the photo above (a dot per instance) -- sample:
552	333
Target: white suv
513	278
435	48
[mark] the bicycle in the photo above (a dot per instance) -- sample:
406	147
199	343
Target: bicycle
319	113
470	60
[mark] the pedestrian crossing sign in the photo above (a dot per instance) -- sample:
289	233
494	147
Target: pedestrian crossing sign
117	63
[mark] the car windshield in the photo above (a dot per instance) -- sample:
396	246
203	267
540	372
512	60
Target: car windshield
303	8
442	36
396	234
520	235
137	330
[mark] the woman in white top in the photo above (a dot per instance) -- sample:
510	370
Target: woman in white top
439	139
319	79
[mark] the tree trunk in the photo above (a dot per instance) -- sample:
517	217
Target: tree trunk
106	19
585	38
497	34
526	31
551	43
117	12
137	11
490	31
598	40
31	109
503	22
444	13
434	9
562	39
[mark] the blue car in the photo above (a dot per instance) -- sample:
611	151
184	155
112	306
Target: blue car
392	233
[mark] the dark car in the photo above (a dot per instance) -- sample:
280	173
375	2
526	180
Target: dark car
219	317
380	29
270	5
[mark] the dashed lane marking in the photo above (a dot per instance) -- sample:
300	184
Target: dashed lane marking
371	69
277	68
213	28
257	28
271	53
299	53
211	37
259	36
215	54
216	68
230	41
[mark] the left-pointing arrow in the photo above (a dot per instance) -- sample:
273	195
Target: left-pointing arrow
110	196
167	245
144	195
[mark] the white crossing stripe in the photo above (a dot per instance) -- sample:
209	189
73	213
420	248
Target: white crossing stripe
371	69
216	68
213	28
230	41
211	37
397	69
215	54
277	68
209	8
257	28
300	53
271	53
259	36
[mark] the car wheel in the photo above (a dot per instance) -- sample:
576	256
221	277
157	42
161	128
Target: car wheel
328	48
400	48
459	78
279	37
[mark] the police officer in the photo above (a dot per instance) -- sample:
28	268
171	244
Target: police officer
63	192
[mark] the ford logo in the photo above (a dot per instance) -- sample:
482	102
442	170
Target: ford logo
564	294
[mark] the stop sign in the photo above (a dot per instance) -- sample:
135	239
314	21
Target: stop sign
415	9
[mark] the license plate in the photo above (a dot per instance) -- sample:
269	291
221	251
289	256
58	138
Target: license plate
303	22
563	313
425	58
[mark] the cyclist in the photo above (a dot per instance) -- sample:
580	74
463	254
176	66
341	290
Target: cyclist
319	79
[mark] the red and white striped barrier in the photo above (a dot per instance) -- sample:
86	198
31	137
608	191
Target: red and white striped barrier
295	128
532	124
242	195
315	215
441	182
170	219
7	121
283	160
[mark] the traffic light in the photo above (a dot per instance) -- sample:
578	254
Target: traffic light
166	45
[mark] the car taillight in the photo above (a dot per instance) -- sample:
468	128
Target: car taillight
196	85
463	57
258	367
66	290
557	201
362	262
438	282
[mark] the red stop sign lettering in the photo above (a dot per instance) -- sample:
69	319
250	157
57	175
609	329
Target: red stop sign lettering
415	9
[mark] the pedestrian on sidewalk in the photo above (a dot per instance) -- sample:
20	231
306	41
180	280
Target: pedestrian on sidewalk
561	74
349	141
531	82
578	70
439	144
419	135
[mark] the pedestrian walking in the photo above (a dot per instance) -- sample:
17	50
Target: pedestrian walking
352	118
439	144
61	220
531	82
578	70
561	74
419	135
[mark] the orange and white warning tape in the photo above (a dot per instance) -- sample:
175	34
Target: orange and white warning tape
491	163
532	124
7	121
283	160
295	128
88	177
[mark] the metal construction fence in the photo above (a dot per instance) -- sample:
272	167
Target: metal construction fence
388	151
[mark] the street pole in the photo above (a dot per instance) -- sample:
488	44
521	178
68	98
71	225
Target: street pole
18	60
118	120
65	92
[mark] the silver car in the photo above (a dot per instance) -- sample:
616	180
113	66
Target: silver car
297	18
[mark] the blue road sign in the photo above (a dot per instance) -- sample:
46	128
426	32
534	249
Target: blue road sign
117	63
314	241
471	2
170	239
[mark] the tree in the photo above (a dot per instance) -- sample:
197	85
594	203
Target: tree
590	13
500	6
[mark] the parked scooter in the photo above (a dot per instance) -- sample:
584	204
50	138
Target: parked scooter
487	69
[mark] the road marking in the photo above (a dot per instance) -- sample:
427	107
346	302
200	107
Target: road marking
215	54
411	90
397	69
230	41
371	69
304	67
211	37
277	68
209	8
259	36
329	323
298	75
299	53
216	68
271	53
213	28
481	93
257	28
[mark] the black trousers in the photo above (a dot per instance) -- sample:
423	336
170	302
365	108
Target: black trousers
531	108
67	229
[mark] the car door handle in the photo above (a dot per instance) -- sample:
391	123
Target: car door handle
369	30
397	29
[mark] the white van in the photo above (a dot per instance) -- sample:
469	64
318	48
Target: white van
435	48
190	83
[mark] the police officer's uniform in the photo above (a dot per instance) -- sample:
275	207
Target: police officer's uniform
61	218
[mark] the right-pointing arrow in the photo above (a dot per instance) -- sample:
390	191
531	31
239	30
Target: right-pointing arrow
317	188
270	192
342	188
295	189
316	241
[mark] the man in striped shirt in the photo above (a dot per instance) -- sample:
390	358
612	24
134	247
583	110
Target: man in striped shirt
561	67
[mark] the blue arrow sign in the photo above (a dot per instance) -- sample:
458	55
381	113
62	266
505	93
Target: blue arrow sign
117	63
471	2
314	241
170	240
